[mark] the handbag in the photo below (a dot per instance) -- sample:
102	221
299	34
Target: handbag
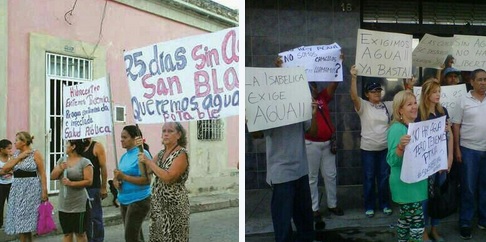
333	143
45	222
443	200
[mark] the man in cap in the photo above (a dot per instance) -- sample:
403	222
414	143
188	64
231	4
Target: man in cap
451	76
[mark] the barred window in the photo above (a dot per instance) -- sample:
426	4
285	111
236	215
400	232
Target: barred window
210	130
61	70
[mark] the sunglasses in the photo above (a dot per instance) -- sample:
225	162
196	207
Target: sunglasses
375	91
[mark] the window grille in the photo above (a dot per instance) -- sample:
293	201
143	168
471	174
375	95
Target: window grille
210	130
61	71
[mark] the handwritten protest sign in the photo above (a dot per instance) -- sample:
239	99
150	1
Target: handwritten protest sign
427	151
276	97
469	52
383	54
194	78
432	51
321	62
450	97
87	111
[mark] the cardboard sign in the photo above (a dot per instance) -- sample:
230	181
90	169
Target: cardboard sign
432	51
322	63
469	52
276	97
194	78
87	111
383	54
427	151
450	97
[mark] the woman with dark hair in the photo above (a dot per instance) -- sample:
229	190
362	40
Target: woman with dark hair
133	186
28	189
170	203
5	178
375	116
75	173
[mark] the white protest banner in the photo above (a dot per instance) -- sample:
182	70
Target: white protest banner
322	63
276	97
432	51
194	78
383	54
427	151
87	111
450	97
469	52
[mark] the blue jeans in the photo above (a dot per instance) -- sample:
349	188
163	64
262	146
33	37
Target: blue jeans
95	229
439	179
473	180
292	200
375	168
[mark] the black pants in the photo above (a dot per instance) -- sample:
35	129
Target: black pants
4	191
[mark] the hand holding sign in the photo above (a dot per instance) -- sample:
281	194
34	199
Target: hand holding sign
425	152
276	97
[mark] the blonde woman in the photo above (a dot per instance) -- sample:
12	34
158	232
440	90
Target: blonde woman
430	108
170	203
28	189
409	196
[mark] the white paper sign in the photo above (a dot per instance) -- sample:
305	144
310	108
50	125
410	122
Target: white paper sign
383	54
432	51
87	111
322	63
194	78
276	97
450	97
427	151
469	52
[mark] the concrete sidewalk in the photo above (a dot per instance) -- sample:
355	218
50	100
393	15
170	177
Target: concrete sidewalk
353	226
111	214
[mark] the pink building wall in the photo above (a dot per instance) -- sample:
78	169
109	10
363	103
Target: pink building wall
124	28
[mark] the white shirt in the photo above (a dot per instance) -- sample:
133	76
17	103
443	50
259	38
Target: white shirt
5	179
471	116
374	124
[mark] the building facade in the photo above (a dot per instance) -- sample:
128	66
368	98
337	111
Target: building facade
275	26
46	44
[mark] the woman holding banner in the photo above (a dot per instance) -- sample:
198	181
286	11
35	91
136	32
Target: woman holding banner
170	204
133	185
430	108
409	196
75	173
375	118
